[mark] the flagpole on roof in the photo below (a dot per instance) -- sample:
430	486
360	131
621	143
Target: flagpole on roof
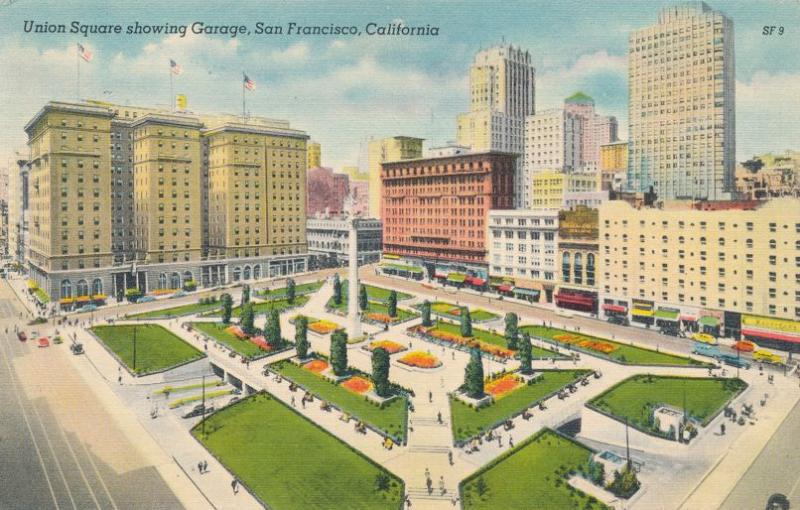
244	115
171	95
77	72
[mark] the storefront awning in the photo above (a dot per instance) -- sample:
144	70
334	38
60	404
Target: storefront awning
688	318
614	308
474	280
527	292
670	315
770	335
504	287
578	299
456	277
709	321
638	312
437	274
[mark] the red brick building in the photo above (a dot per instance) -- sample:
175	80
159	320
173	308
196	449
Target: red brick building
436	209
326	190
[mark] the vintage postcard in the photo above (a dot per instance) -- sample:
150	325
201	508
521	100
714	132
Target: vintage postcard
461	254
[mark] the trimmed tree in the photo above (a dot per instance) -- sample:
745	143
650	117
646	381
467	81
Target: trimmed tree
473	375
525	354
301	336
363	299
248	319
466	322
227	307
273	329
392	305
291	291
337	289
426	314
245	294
380	371
339	352
512	331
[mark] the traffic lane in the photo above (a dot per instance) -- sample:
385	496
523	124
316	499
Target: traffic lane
775	470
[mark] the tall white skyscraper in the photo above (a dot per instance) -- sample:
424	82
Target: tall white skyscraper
682	114
502	92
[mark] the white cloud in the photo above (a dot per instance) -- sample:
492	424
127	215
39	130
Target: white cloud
297	53
767	114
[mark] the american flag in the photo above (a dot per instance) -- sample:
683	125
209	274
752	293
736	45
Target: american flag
248	83
84	53
174	68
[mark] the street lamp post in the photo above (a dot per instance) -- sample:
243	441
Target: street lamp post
203	419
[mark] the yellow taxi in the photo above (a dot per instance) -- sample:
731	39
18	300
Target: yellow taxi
704	338
766	356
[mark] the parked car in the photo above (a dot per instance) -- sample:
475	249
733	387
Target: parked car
734	361
198	411
22	336
745	346
705	338
711	351
76	348
43	342
767	356
87	308
178	294
146	299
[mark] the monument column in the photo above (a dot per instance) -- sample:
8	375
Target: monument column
354	329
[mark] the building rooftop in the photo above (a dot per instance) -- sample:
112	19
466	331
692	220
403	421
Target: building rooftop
579	98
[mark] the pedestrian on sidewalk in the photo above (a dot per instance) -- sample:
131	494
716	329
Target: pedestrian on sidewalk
499	440
450	457
200	467
119	379
442	488
293	404
510	442
439	417
205	466
429	484
430	396
235	486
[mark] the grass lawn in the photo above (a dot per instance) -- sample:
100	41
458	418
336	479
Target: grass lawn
265	306
531	476
623	353
468	422
494	339
156	347
291	463
450	311
176	311
299	289
216	330
390	419
373	294
634	397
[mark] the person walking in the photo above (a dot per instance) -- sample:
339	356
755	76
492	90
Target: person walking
235	486
205	466
450	457
430	396
200	467
442	489
510	442
293	403
439	417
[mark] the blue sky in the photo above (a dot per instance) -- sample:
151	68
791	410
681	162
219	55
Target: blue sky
343	90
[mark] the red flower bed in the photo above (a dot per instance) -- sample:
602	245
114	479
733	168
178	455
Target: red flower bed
503	386
598	346
317	366
420	359
488	348
357	384
380	317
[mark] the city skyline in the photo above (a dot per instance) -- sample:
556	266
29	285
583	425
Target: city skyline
344	90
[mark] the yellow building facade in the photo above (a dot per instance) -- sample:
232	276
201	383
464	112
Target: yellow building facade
549	187
380	151
314	159
718	261
613	165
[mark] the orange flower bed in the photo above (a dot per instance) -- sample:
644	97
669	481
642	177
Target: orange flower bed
594	345
317	366
162	292
501	387
357	384
323	327
236	331
488	348
391	347
420	359
566	338
380	317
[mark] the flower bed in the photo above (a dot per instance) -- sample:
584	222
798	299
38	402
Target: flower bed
502	386
586	343
390	346
317	366
380	317
357	384
163	292
420	359
236	331
323	327
494	350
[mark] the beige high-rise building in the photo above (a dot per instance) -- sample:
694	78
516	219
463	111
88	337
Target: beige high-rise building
682	104
314	155
613	165
502	94
396	148
130	197
702	265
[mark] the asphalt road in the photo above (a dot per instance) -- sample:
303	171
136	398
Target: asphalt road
775	470
47	461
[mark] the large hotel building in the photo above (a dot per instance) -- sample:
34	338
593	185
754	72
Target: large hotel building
126	197
682	104
435	209
725	267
